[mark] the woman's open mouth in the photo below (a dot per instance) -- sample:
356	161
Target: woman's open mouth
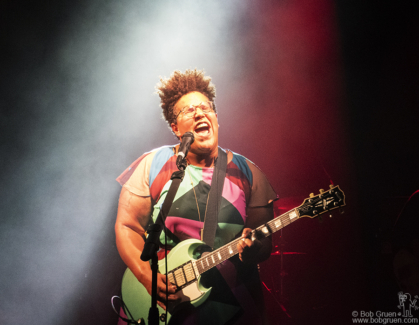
202	129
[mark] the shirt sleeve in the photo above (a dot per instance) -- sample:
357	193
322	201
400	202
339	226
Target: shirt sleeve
138	183
262	192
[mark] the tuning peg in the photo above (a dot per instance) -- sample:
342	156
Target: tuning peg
331	186
311	194
321	191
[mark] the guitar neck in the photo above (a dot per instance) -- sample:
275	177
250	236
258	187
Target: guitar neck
227	251
312	207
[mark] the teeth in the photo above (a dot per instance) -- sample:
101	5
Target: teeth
201	125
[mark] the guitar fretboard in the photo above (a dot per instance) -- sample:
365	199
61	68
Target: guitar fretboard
224	253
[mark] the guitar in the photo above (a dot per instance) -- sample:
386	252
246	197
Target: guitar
185	271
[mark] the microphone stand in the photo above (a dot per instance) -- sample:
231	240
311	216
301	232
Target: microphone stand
151	245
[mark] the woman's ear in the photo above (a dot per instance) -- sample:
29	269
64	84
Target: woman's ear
175	129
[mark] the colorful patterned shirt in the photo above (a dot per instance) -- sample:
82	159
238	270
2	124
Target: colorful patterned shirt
244	186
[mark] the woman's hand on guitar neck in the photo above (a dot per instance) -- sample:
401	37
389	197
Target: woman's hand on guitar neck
248	249
259	249
253	251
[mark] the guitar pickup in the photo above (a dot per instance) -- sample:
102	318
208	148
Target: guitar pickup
171	278
182	276
189	272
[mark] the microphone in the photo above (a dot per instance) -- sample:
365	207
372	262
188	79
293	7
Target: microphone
187	139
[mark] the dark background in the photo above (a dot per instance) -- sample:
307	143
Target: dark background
310	91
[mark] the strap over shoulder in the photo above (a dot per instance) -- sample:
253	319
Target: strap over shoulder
214	200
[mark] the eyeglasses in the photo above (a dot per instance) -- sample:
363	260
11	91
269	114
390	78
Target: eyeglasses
190	111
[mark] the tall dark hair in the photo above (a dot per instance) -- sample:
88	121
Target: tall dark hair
179	84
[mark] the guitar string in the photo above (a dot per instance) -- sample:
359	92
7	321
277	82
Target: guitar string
285	220
273	226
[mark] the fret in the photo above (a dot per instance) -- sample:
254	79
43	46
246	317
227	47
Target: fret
223	253
195	267
283	220
190	271
293	215
265	230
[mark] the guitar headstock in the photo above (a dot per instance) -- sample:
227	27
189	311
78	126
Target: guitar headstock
321	203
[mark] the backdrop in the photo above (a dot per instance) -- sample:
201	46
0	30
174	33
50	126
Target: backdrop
313	92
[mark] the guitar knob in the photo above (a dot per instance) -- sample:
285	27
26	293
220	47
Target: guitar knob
331	186
311	194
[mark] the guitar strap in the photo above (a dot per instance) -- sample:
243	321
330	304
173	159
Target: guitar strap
176	178
214	200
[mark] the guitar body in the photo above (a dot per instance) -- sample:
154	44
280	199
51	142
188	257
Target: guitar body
185	267
138	300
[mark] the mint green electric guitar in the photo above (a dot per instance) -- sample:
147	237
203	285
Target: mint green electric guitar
185	271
